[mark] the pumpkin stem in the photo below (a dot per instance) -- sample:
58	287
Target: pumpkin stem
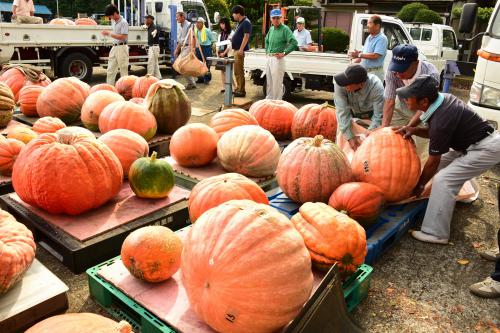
345	212
318	139
153	156
327	105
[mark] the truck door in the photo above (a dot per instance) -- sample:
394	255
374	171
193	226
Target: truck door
450	46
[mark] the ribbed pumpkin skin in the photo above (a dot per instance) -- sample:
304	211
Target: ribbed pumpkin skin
69	176
27	99
7	104
331	237
388	161
169	104
152	253
213	191
48	125
142	84
93	106
275	116
245	261
85	21
124	86
21	133
314	119
69	132
127	146
137	100
63	99
194	145
151	178
102	86
128	115
9	150
228	119
310	169
81	323
360	201
62	21
249	150
17	248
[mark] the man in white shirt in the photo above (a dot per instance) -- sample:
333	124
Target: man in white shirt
302	35
118	56
23	11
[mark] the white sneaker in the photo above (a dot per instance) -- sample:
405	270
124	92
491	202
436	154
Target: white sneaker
428	238
491	255
488	288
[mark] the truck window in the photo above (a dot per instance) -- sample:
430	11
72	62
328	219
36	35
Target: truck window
426	35
395	35
449	39
189	6
495	25
415	33
148	9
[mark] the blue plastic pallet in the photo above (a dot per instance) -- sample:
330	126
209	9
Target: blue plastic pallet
393	223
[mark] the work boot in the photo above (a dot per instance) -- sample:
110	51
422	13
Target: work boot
239	94
190	86
491	254
488	288
428	238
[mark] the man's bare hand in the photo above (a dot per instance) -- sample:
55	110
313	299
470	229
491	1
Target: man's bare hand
355	142
105	33
417	191
406	131
279	55
354	54
241	52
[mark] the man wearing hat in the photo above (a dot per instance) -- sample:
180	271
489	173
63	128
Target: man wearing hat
118	56
204	39
153	46
279	43
462	145
302	35
357	95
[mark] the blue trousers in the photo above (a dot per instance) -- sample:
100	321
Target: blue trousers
207	52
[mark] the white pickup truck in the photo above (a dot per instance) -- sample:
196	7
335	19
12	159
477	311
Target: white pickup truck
317	69
74	50
436	41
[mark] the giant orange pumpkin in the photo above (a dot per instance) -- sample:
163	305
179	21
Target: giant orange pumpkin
66	174
225	120
213	191
360	201
93	106
127	146
249	150
275	116
16	77
388	161
152	253
331	237
21	133
245	268
85	21
48	125
125	84
310	169
315	119
137	100
61	21
129	116
80	323
63	99
17	247
9	150
102	86
142	84
194	145
27	99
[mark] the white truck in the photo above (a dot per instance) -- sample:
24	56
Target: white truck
74	50
436	41
315	70
485	91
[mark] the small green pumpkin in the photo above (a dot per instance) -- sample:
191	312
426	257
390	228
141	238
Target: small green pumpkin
151	178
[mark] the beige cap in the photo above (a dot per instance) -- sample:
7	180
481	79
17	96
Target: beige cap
200	19
301	20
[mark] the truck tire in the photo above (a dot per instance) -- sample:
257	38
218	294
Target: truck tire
77	65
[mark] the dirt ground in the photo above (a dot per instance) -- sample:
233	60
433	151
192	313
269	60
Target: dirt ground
415	287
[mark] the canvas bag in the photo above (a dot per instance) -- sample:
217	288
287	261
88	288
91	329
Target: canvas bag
189	64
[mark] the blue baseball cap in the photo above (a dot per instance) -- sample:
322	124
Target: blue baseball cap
402	57
275	13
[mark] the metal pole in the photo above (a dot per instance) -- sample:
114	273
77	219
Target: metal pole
173	32
228	93
57	6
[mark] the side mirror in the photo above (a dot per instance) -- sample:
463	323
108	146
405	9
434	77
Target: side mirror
216	17
468	18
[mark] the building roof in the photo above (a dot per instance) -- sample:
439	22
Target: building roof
39	9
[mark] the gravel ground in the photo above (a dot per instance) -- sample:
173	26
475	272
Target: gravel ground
415	287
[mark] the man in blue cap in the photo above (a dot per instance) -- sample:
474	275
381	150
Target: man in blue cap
462	145
279	43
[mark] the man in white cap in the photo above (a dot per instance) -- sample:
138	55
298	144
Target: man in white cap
302	35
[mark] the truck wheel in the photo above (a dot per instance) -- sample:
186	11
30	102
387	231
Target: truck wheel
77	65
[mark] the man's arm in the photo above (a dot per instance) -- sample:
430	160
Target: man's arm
309	40
377	98
292	43
430	169
389	97
343	111
118	36
388	110
244	42
32	9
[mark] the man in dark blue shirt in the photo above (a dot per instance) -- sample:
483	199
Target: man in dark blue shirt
461	146
240	41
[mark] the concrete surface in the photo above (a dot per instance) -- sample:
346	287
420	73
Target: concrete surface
416	287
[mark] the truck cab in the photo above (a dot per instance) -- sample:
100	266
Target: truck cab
437	41
161	10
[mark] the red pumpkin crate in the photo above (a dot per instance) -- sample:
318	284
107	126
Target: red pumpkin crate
83	241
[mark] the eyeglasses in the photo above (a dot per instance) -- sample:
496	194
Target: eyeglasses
276	18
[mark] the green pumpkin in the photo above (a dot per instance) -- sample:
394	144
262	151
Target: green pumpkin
151	178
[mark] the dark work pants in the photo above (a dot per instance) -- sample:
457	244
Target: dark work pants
496	274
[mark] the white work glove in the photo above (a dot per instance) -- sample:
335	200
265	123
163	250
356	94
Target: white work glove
154	33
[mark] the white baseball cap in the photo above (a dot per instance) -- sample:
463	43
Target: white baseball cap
301	20
200	19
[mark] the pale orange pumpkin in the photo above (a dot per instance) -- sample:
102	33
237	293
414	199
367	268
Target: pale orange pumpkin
81	323
21	133
331	237
48	125
213	191
276	116
388	161
85	21
194	145
124	86
245	268
9	150
15	77
225	120
28	96
94	105
314	119
102	86
137	100
142	84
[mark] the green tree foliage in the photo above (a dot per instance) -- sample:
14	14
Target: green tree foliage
220	6
69	8
484	14
428	16
254	9
408	12
456	12
333	39
302	2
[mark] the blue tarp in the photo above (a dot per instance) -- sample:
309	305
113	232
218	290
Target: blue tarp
39	9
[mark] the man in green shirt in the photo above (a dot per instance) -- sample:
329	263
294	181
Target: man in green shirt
279	42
